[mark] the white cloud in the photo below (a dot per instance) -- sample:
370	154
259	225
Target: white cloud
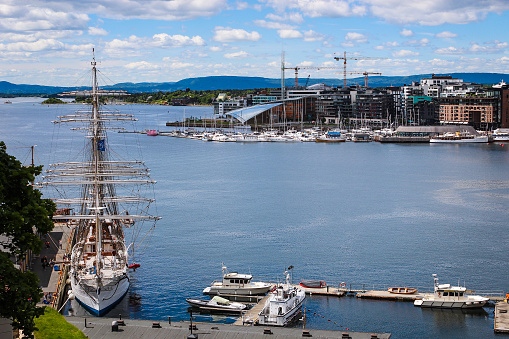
446	35
240	5
273	25
36	46
141	65
306	63
215	49
357	37
421	42
449	50
165	40
489	47
441	63
97	31
313	36
289	34
404	53
406	32
180	65
33	18
292	17
236	55
321	8
226	34
387	45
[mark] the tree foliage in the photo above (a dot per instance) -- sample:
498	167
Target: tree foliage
24	215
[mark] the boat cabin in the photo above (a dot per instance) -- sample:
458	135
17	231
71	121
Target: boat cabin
235	279
446	290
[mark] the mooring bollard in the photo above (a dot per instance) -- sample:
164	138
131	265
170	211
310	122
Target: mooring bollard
114	326
169	320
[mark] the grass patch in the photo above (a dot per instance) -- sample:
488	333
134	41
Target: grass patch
52	325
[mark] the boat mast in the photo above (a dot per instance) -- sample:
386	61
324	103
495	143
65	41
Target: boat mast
95	144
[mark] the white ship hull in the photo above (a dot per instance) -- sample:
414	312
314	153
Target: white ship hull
109	295
214	290
450	303
481	139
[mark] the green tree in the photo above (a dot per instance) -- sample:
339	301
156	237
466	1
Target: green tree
23	216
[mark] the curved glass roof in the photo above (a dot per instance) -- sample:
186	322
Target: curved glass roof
245	113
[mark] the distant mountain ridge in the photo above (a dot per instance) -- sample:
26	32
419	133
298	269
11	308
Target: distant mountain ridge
238	82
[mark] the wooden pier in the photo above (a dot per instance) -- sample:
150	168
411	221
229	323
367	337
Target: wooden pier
251	316
501	317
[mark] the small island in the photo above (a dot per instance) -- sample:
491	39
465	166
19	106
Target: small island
52	101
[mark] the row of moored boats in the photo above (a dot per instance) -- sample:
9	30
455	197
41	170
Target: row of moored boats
331	136
284	301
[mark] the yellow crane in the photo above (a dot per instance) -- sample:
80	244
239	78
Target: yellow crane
344	58
296	68
366	76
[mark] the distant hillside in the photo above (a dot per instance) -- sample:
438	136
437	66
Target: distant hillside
237	82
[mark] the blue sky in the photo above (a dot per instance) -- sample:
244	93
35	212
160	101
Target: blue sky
49	42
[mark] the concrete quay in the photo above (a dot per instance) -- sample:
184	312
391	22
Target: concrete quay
102	328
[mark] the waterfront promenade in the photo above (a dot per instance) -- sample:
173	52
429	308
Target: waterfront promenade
101	328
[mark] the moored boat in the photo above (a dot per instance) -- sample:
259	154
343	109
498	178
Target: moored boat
501	134
313	283
234	283
447	296
283	306
99	259
402	290
152	132
217	304
459	138
331	137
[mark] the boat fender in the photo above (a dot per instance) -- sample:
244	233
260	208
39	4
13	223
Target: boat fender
343	285
439	294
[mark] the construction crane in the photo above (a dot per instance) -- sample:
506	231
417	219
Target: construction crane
365	76
344	58
296	68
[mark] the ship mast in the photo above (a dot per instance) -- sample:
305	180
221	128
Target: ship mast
96	135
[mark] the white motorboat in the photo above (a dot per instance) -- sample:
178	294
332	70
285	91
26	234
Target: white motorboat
458	138
283	306
501	134
99	259
447	296
217	304
234	283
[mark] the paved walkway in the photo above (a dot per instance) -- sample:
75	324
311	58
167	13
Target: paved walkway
101	328
48	277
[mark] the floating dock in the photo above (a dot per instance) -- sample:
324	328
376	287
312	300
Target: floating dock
104	328
251	316
501	317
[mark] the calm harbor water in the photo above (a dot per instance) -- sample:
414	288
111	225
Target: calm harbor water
370	214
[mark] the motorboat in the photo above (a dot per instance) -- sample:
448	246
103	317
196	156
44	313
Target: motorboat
331	137
459	137
501	134
283	305
152	132
313	283
217	304
447	296
402	290
234	283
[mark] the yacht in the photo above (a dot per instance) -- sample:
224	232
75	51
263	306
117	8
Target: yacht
501	134
283	306
447	296
234	283
459	137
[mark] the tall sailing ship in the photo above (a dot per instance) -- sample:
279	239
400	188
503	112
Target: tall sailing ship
99	263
